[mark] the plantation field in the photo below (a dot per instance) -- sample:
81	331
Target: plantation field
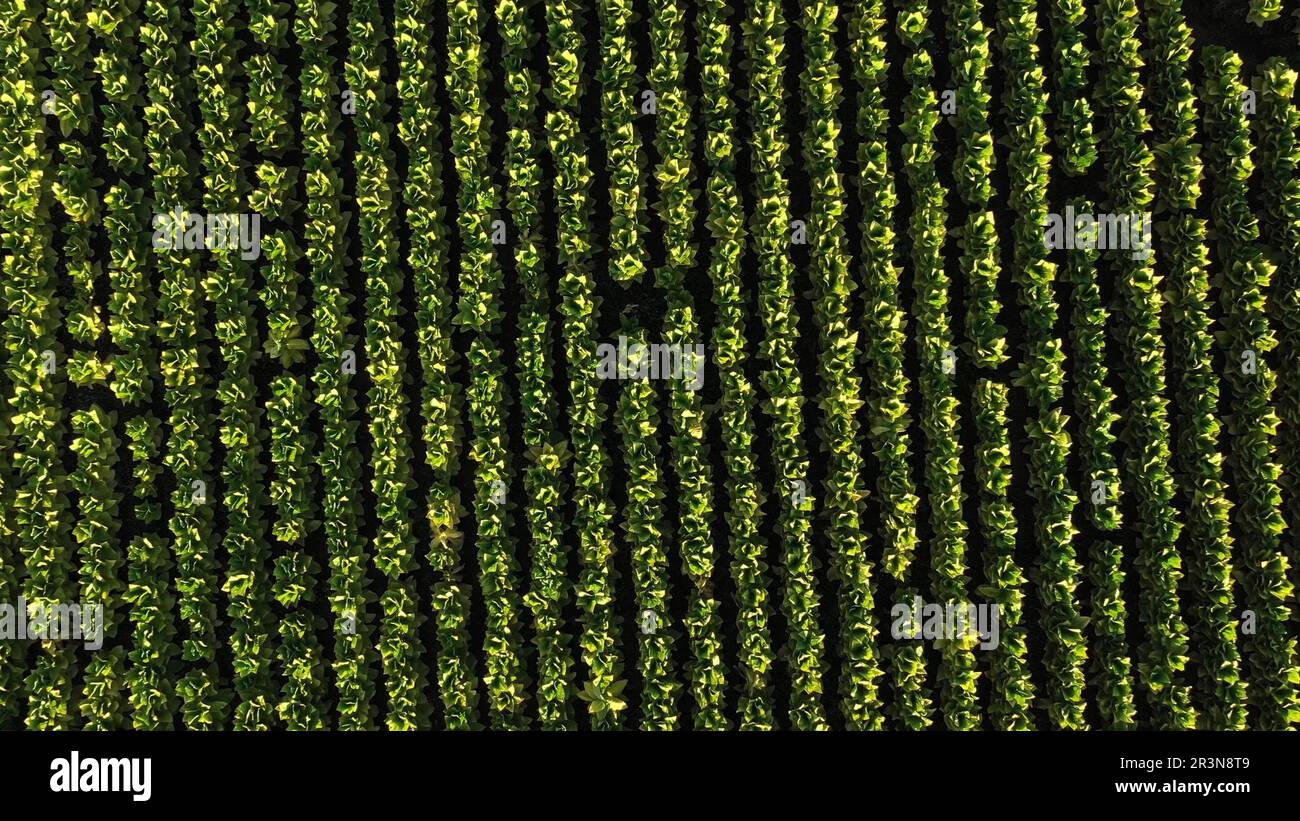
649	364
